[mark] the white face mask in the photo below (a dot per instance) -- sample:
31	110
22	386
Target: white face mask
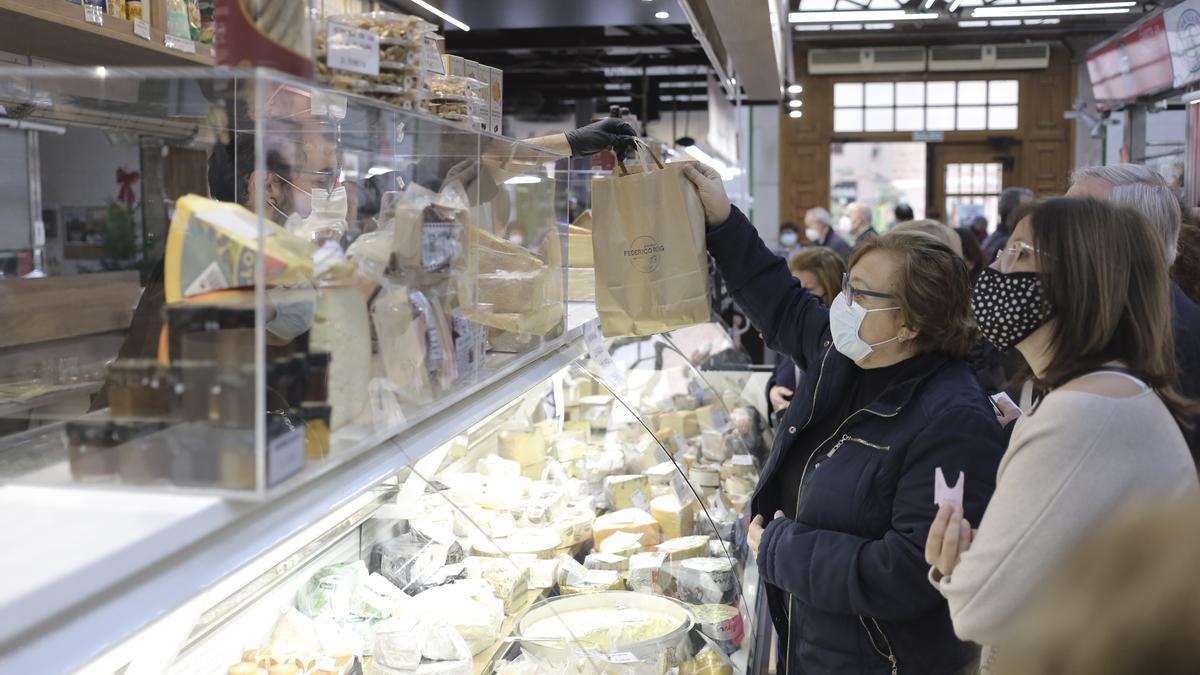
845	320
844	225
812	234
788	239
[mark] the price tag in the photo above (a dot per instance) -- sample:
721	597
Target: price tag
352	49
180	44
622	657
141	29
93	13
432	57
593	338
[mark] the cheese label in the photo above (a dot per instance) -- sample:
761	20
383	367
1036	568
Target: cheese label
593	338
638	500
622	657
352	49
683	491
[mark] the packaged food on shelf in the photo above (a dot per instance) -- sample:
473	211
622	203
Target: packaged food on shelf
398	75
267	33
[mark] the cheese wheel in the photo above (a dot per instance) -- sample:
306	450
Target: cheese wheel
627	520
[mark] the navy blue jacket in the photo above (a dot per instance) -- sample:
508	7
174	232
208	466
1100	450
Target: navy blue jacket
1187	355
846	580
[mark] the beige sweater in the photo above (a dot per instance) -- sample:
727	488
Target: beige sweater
1067	466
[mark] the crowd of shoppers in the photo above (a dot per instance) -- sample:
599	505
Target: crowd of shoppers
906	521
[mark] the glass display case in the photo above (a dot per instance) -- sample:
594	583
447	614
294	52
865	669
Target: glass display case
339	269
590	525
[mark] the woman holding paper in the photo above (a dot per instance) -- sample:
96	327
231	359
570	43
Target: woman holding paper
846	498
1081	291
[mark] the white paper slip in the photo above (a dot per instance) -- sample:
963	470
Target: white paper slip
352	49
943	494
1005	398
141	29
593	338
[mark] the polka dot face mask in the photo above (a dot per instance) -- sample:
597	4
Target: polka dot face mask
1008	307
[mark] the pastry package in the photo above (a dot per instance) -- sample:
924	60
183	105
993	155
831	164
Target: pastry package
404	48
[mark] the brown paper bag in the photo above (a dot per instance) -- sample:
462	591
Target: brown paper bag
651	258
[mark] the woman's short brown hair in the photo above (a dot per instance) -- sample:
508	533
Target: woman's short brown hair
1104	276
825	263
933	291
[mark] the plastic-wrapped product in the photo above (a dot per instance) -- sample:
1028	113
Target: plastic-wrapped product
470	607
294	633
508	581
705	581
398	642
406	559
645	572
331	589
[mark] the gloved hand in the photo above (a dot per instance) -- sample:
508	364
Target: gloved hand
712	193
609	132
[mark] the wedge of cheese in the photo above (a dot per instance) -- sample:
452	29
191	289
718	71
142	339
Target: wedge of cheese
673	517
625	492
342	327
627	520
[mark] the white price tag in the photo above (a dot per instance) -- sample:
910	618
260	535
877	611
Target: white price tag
432	57
622	657
285	455
93	14
180	44
141	29
352	49
593	338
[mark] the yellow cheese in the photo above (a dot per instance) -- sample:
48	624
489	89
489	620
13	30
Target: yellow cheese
627	520
342	327
711	417
578	429
581	284
683	421
524	448
675	519
682	548
507	292
569	449
626	492
579	250
622	544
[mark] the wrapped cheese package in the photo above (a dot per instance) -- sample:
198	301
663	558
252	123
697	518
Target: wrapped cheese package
470	607
342	328
426	230
331	589
212	246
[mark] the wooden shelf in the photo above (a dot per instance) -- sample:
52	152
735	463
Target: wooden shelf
55	30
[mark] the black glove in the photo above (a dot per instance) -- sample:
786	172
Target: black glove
609	132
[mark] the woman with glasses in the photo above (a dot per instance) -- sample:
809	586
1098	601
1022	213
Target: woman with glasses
1081	291
846	498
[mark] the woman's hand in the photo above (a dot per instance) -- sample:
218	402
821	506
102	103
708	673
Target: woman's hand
609	132
781	398
712	193
949	537
755	531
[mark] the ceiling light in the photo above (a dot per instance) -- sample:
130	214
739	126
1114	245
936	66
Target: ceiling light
928	4
439	13
522	180
795	103
1085	8
795	89
662	15
796	114
858	16
1045	12
953	5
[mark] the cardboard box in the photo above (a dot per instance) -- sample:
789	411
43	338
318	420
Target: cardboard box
457	66
495	84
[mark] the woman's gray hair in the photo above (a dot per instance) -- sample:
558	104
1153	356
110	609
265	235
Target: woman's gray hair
1147	191
821	215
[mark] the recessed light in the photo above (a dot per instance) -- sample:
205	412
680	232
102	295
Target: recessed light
795	89
662	15
795	114
795	103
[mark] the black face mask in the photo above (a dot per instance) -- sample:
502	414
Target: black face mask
1008	307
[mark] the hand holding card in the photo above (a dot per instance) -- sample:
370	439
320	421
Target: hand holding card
944	495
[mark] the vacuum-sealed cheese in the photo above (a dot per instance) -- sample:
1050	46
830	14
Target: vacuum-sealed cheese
342	328
213	245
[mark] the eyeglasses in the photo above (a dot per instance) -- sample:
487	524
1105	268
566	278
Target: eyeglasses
1016	252
849	292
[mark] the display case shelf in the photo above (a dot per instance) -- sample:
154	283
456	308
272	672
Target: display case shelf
55	30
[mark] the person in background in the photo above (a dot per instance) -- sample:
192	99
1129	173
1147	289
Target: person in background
1081	291
902	213
1123	603
1186	270
978	227
843	503
861	227
819	270
789	240
1143	189
818	227
972	252
1010	199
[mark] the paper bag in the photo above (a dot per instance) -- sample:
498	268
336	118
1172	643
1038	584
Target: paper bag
649	249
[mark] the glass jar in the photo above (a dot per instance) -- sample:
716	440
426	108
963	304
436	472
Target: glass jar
142	389
91	450
142	453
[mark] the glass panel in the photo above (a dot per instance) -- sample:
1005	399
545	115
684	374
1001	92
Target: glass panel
972	92
1002	91
939	93
910	93
848	119
879	94
1002	117
847	94
939	119
972	117
953	172
879	119
910	119
978	178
